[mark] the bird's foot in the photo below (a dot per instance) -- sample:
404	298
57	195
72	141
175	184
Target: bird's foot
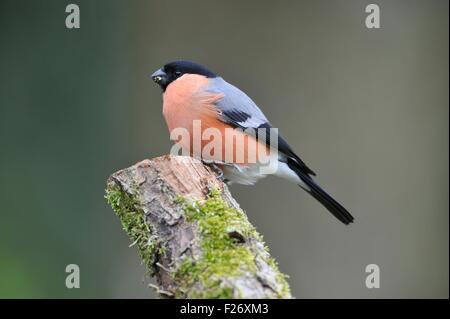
216	169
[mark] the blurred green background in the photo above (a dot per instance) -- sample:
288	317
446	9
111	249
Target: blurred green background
366	109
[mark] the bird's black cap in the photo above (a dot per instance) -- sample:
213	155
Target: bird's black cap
173	70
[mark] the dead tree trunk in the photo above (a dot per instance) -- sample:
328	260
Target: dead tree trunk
191	234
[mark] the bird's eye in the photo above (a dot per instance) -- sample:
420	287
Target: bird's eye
177	74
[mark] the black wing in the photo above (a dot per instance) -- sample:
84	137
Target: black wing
238	119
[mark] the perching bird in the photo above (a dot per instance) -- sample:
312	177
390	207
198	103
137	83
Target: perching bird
192	93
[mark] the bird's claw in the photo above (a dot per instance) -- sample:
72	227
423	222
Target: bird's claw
216	169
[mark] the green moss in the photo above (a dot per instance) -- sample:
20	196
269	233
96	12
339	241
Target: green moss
132	218
225	241
285	290
223	255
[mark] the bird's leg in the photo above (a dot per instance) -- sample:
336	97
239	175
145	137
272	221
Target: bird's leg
216	169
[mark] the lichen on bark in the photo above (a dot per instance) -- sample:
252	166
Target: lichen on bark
133	221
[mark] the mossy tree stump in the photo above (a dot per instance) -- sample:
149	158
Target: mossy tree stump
191	234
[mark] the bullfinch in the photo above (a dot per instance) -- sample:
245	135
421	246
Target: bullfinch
192	95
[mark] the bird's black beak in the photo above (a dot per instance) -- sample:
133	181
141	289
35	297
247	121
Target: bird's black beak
160	77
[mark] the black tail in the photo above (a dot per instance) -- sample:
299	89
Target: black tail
317	192
326	200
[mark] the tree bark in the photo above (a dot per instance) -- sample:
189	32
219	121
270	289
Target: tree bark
190	232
